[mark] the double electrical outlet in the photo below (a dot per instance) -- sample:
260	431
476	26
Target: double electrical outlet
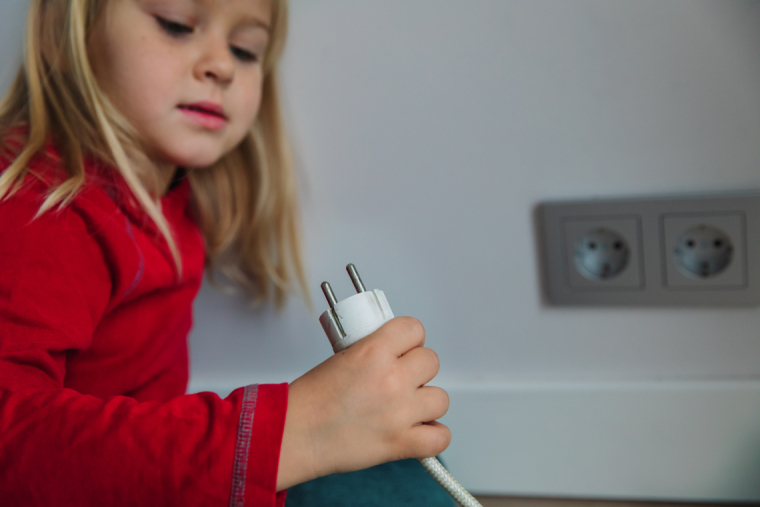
688	250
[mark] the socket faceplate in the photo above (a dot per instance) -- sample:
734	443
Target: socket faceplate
652	228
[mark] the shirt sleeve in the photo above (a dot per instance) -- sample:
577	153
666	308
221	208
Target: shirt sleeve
61	447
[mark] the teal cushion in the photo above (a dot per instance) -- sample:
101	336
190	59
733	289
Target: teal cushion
398	484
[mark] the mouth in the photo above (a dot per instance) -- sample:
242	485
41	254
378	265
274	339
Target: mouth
205	108
207	115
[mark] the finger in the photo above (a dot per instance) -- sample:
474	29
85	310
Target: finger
432	403
427	440
399	335
422	364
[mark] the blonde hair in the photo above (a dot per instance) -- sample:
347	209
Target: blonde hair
246	202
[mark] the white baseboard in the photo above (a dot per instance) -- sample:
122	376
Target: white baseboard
695	441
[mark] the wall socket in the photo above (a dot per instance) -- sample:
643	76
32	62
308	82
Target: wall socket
701	250
602	252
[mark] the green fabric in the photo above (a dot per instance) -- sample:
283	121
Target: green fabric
396	484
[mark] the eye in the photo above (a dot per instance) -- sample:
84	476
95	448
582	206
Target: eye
244	55
174	29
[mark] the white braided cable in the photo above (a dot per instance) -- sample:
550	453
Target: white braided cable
447	482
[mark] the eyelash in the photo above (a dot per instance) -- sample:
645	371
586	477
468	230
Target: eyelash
244	55
174	29
179	30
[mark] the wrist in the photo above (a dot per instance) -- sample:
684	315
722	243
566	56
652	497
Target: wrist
298	459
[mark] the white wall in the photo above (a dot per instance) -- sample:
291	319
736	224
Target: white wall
12	19
426	132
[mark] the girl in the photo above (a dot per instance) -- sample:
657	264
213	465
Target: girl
142	141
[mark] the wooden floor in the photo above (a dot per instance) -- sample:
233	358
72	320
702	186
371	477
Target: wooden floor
500	501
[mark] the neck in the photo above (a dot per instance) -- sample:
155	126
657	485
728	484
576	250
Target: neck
164	176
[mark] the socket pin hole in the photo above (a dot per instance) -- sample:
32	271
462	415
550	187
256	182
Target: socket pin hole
618	245
691	243
718	243
592	245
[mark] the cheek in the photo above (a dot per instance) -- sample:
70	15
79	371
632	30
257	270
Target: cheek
246	106
152	78
139	78
250	103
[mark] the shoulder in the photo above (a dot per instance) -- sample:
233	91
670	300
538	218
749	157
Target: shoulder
103	212
69	226
92	202
51	264
81	232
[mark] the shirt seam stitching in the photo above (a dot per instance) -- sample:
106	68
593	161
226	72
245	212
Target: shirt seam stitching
242	445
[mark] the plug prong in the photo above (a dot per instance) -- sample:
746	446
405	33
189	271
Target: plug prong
329	294
357	281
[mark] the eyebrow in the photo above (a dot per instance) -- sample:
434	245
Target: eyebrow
246	19
250	19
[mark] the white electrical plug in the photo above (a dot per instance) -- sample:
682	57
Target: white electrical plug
350	320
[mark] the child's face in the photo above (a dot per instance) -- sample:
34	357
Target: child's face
187	74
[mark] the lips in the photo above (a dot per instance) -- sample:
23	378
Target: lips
207	115
205	107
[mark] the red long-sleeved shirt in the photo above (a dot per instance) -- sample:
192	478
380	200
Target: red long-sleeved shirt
94	360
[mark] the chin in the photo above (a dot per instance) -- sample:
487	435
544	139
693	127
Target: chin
198	163
194	158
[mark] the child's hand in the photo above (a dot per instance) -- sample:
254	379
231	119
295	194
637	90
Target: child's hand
364	406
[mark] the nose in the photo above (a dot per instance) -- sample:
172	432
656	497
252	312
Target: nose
216	62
